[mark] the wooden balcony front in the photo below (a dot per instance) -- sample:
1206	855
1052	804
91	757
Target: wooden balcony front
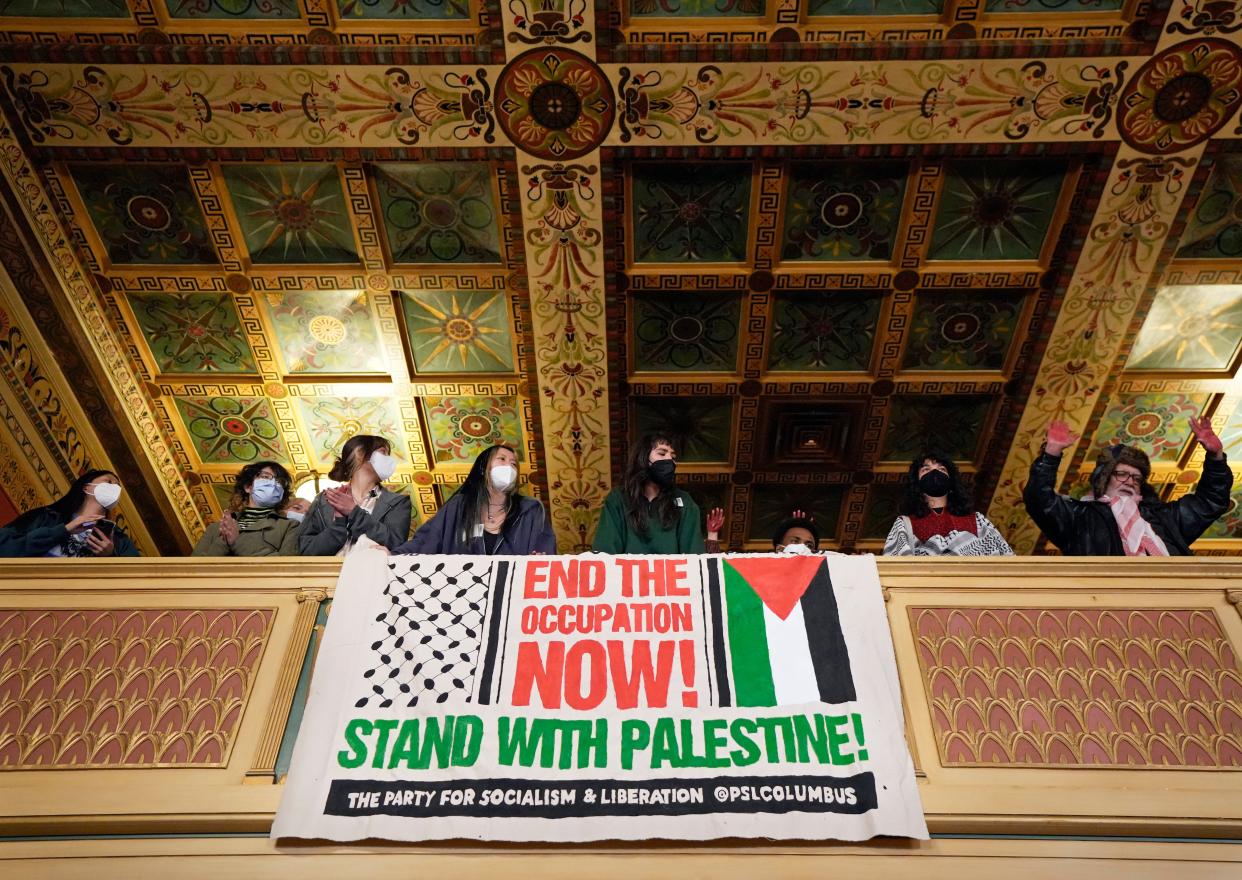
1082	717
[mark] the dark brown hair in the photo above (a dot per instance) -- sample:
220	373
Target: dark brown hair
635	486
345	466
246	477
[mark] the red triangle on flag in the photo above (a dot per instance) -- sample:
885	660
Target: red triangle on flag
779	582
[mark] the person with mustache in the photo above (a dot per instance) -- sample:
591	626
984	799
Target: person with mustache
938	517
1122	515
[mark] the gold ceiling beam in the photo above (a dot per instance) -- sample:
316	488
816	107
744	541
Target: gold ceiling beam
131	404
1004	100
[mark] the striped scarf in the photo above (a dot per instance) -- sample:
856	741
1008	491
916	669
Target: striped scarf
251	519
1137	537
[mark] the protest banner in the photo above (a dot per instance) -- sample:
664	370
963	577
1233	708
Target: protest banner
594	697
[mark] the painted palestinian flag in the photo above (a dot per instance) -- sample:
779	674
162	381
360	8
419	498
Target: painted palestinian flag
776	634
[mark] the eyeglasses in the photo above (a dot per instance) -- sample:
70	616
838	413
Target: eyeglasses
1130	476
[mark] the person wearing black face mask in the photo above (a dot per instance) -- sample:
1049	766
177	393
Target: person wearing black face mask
647	513
937	517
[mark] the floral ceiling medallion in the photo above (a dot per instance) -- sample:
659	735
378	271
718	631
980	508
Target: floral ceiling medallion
554	104
1182	96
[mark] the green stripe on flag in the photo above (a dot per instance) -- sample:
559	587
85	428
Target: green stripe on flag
748	643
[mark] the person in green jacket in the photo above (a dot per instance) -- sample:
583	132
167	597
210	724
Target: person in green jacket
253	524
76	524
647	513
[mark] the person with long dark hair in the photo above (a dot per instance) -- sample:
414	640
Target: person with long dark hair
254	524
647	513
361	507
937	516
76	524
487	515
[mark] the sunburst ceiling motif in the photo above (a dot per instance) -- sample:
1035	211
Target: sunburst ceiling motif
807	264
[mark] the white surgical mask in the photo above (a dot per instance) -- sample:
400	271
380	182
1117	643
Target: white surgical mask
295	515
384	465
503	477
107	494
266	492
796	549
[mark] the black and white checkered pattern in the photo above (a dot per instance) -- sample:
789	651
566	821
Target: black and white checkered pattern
427	642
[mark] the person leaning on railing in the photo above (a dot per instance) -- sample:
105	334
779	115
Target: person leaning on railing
1122	515
342	516
487	515
254	523
647	513
76	524
937	516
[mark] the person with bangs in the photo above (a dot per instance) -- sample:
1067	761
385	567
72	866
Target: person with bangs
75	524
254	523
647	513
487	515
360	510
938	517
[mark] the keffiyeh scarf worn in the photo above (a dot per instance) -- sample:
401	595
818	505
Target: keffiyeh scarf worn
1137	536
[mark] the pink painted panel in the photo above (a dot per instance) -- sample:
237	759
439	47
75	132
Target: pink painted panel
1080	687
125	687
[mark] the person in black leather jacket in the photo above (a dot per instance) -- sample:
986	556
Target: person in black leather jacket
1122	516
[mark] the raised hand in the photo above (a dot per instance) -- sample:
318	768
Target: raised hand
1059	437
1212	444
715	520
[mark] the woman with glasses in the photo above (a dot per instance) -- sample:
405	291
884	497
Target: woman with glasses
937	516
1122	515
254	523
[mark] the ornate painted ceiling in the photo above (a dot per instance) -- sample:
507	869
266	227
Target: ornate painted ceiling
808	237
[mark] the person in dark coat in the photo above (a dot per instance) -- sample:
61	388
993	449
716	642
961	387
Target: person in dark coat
487	515
1122	516
647	513
76	524
361	507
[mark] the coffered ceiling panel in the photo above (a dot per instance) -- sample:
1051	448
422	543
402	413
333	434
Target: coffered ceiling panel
833	214
144	216
995	211
459	331
1191	328
808	239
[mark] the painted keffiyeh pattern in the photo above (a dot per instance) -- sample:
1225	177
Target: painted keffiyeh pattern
985	541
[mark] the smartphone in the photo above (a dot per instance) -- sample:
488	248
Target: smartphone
105	527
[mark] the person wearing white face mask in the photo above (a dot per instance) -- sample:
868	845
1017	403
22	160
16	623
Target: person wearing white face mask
487	515
360	508
253	525
76	524
797	534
